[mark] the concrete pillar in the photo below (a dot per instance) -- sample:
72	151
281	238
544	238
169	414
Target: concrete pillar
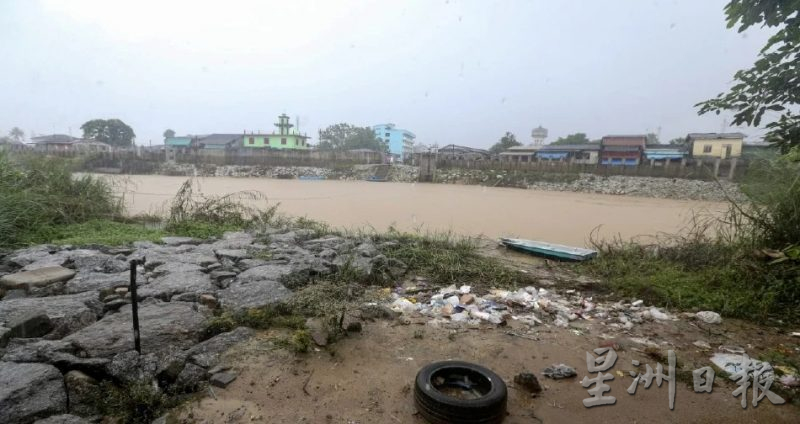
652	162
731	172
666	163
716	167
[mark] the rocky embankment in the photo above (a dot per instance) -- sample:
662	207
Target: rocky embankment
397	173
664	188
66	320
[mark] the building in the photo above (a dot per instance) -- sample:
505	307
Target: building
663	154
573	153
8	144
285	138
178	143
455	152
519	153
715	145
623	150
539	134
217	141
401	142
53	142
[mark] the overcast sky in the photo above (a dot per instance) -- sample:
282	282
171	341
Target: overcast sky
452	71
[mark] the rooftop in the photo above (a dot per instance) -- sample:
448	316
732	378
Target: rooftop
715	136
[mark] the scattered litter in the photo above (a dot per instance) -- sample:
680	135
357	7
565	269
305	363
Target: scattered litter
796	334
732	349
790	380
656	314
637	303
708	317
560	371
702	345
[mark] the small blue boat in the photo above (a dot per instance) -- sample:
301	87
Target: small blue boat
549	250
376	179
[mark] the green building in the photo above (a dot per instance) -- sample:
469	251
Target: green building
285	138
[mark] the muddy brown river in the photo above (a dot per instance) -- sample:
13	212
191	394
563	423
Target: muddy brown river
559	217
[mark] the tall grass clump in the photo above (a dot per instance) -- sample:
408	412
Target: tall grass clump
39	194
744	264
194	214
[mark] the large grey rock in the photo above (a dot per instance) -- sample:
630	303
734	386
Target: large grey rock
63	355
168	285
177	241
94	261
5	334
234	240
190	378
81	391
130	366
246	264
265	272
30	391
68	313
332	242
161	325
30	255
234	254
254	294
367	249
29	324
222	379
207	353
37	278
63	419
172	267
91	281
289	238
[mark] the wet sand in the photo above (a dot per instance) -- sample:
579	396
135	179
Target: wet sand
558	217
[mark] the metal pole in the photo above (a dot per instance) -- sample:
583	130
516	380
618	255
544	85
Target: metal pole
135	306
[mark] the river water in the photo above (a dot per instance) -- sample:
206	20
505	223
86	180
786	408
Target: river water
559	217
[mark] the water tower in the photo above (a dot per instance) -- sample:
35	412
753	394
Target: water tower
539	134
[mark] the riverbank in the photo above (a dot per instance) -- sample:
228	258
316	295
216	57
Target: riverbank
211	309
661	188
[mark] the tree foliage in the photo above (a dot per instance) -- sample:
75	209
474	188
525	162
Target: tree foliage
17	134
678	141
110	131
507	141
773	83
169	133
346	137
652	138
577	138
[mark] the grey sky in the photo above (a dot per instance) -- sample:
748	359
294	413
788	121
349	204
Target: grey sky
450	71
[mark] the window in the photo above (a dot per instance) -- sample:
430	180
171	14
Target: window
251	140
707	148
283	141
387	135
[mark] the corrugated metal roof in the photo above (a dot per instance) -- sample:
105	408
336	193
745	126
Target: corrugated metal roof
571	147
219	139
715	136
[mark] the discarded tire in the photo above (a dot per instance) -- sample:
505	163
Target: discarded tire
453	392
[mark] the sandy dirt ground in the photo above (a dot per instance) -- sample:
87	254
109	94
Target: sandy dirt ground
368	376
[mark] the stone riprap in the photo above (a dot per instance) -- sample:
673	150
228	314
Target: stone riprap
66	317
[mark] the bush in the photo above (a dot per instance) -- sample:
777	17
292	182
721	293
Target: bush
39	194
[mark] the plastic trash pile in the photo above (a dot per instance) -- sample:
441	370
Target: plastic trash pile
528	305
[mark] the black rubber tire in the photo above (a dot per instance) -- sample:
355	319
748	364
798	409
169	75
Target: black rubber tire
439	408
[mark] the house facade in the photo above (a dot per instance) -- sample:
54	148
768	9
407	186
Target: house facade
53	142
285	138
716	145
664	154
519	153
573	153
401	142
622	150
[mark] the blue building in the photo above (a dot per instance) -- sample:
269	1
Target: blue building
401	142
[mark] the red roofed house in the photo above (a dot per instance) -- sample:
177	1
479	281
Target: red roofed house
623	150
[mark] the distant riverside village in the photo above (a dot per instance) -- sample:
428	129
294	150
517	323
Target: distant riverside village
722	154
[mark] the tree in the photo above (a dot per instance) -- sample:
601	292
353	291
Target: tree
773	83
652	138
678	141
346	137
577	138
110	131
169	133
507	141
17	134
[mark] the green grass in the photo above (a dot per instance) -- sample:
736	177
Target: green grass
447	259
104	232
